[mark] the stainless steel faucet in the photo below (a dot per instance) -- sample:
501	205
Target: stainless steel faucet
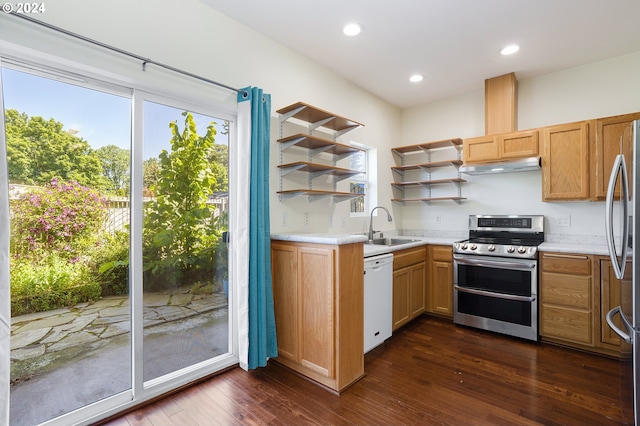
371	231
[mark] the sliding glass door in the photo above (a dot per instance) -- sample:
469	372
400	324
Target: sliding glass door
185	224
119	279
68	159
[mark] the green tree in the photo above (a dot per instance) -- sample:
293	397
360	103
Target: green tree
40	150
150	175
115	166
219	159
180	235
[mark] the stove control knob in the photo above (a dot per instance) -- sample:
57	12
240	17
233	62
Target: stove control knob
473	247
491	247
464	246
521	249
511	249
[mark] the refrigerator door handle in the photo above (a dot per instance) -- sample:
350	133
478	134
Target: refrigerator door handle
624	336
619	169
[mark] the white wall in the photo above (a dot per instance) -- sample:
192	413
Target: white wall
595	90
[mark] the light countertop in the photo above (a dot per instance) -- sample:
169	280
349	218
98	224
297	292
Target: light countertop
596	249
320	238
588	247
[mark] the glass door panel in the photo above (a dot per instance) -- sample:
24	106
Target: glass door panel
184	249
68	151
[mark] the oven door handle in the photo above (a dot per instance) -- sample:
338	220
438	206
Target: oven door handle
518	266
496	295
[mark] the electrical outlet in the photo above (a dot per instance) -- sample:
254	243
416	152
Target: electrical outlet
564	220
284	219
343	221
306	219
438	219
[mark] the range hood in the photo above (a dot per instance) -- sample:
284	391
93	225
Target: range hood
522	165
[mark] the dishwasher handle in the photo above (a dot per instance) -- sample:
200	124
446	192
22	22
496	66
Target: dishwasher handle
377	262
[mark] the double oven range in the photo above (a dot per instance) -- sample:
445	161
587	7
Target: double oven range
495	274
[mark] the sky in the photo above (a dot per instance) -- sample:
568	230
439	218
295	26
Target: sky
100	118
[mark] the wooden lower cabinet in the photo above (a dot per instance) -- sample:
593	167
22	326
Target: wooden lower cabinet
318	294
440	281
575	296
610	298
409	284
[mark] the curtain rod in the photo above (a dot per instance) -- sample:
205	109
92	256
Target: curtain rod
144	60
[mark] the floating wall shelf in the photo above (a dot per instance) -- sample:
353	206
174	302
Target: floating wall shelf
316	118
423	169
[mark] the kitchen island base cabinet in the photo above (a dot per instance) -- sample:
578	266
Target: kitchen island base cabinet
318	293
409	284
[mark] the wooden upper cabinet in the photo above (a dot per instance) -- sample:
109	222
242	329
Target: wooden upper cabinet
565	162
501	147
482	149
613	135
518	144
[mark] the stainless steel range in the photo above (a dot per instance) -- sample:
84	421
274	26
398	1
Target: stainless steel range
495	274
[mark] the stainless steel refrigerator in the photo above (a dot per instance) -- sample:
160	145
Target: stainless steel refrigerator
622	215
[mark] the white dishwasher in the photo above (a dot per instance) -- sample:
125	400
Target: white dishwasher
378	299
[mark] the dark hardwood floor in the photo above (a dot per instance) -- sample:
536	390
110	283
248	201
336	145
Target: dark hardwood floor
431	372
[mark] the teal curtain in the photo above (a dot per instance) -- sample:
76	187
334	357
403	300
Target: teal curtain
262	324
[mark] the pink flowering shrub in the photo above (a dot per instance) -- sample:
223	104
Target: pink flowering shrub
56	235
63	217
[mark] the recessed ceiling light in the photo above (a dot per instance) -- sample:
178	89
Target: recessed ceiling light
509	50
352	29
416	78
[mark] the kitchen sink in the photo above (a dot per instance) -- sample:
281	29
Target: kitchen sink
390	241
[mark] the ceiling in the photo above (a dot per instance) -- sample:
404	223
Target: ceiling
453	43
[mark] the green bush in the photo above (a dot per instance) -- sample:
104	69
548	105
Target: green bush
62	217
55	231
49	285
111	264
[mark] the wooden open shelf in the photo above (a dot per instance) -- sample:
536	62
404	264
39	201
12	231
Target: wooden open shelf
446	143
317	117
428	182
316	169
447	163
315	194
317	144
422	176
428	200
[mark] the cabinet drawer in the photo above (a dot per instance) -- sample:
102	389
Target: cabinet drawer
566	324
442	253
408	257
566	263
566	290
